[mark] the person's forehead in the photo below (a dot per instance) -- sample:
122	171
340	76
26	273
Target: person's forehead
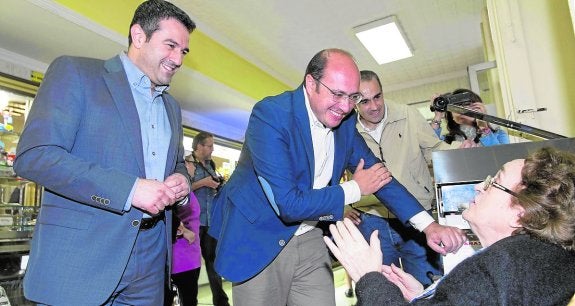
512	168
208	141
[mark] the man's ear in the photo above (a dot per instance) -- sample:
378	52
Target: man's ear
309	82
138	35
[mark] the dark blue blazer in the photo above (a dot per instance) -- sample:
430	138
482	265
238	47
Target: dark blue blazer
271	190
82	142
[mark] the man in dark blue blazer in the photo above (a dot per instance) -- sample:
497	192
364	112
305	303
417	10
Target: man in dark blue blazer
104	138
297	147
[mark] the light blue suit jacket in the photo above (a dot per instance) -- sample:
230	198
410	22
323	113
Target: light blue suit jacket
82	142
252	225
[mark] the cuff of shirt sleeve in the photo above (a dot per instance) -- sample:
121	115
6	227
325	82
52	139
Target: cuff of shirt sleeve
183	201
351	192
128	204
421	220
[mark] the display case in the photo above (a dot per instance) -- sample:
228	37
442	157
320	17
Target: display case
19	206
19	200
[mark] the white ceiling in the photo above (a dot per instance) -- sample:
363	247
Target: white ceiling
278	36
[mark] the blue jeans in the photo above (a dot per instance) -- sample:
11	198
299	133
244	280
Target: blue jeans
400	240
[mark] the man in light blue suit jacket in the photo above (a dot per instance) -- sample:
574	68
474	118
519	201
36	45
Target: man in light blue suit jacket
104	138
297	147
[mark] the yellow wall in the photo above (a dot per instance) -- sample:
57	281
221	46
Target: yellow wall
534	45
206	55
561	25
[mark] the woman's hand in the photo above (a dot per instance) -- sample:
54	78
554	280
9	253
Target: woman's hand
350	248
409	286
189	235
480	108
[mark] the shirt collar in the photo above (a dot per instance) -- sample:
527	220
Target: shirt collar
136	77
313	121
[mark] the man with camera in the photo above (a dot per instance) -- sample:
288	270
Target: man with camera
403	139
205	185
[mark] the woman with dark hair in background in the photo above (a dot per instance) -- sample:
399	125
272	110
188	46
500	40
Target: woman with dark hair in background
462	127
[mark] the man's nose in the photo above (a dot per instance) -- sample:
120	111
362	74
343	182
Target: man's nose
347	105
177	57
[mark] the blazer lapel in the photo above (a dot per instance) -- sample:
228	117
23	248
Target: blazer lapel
119	87
339	157
303	126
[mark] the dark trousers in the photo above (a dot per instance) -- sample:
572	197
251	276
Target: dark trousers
143	280
208	246
187	284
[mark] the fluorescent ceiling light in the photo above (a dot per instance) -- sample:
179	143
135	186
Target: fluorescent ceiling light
384	40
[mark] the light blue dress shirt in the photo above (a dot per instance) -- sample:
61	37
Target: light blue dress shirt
154	122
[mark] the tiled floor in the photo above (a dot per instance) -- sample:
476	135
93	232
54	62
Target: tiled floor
205	295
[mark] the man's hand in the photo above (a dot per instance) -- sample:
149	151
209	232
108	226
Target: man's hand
372	179
352	215
444	239
207	181
152	196
179	185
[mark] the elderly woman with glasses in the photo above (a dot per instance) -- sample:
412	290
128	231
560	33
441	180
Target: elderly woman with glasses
524	217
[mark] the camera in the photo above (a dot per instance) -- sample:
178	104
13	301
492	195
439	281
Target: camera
440	103
221	181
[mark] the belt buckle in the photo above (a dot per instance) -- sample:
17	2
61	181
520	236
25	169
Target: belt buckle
149	223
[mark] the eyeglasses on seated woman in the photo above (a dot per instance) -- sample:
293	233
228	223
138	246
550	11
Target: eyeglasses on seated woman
524	217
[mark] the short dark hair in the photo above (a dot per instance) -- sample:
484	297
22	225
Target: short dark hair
149	14
316	66
200	138
368	75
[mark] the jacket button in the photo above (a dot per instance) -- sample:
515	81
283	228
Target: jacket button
135	223
282	242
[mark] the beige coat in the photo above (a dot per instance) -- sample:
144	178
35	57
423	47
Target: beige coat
406	144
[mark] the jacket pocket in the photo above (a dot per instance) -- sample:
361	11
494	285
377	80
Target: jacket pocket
247	202
65	217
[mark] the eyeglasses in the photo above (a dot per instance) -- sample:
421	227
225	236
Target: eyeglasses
490	181
339	96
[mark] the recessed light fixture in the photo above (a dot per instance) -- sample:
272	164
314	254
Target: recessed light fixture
384	40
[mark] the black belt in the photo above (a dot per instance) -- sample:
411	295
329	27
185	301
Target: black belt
149	223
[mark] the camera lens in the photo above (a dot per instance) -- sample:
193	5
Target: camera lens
439	104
